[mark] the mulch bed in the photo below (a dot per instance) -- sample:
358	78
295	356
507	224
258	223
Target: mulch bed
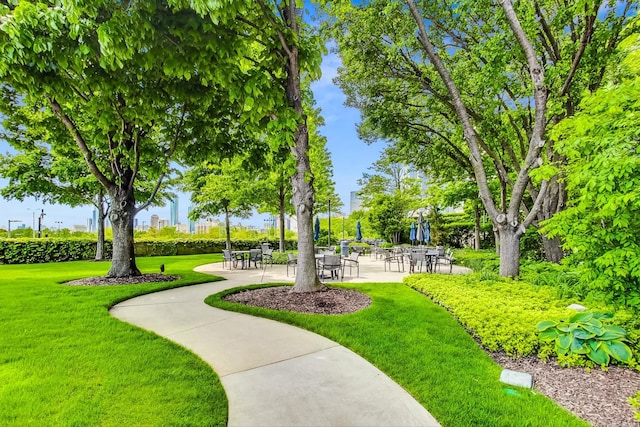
328	301
597	396
130	280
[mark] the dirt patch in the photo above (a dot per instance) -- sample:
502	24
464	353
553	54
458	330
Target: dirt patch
328	301
130	280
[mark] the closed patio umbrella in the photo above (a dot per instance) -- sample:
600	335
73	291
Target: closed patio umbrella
420	233
316	234
412	232
358	232
427	232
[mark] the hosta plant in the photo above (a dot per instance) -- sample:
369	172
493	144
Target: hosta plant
585	334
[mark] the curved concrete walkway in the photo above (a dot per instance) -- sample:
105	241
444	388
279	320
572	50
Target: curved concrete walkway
276	374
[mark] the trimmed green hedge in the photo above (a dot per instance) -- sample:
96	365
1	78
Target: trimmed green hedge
32	251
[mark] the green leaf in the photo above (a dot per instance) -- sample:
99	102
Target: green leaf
546	324
583	334
618	350
549	335
598	355
581	317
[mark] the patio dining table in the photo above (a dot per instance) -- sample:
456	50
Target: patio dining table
244	255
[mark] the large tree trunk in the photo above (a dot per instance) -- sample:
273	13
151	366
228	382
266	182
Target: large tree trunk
510	250
302	180
281	217
476	210
227	228
100	243
123	263
553	202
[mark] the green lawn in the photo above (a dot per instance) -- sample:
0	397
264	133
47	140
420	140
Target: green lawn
419	345
65	361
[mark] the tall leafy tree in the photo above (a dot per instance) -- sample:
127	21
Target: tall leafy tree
602	146
299	53
221	186
462	88
134	83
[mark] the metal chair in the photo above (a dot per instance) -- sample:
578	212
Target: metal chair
267	256
291	261
255	256
332	264
228	258
352	260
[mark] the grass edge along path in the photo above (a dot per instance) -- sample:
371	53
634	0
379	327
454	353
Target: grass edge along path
424	349
65	361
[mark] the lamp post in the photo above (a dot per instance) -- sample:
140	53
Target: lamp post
342	226
329	228
40	218
9	227
58	222
33	222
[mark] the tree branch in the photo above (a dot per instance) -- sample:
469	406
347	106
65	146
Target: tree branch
82	145
584	40
469	132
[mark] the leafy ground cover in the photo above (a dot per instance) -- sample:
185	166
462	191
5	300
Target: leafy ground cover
418	344
65	361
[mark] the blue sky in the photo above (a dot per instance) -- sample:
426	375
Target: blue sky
351	157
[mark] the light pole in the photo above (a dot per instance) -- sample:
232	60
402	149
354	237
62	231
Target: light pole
40	218
58	222
33	222
9	227
329	235
342	226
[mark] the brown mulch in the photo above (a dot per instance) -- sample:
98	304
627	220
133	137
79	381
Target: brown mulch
597	396
327	301
130	280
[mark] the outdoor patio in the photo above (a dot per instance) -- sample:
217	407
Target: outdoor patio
371	269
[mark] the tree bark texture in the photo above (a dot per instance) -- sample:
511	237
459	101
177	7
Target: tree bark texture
510	250
281	218
227	229
123	262
100	227
476	210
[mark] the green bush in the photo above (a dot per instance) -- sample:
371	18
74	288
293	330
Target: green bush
586	335
502	314
33	251
635	402
485	259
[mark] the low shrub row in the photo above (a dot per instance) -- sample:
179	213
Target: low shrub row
32	251
502	314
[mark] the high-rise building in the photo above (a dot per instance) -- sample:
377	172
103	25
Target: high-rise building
355	204
173	205
192	223
155	219
94	223
164	222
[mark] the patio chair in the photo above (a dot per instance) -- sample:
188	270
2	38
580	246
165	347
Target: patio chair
393	256
267	256
332	264
255	256
293	262
447	259
352	260
228	258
